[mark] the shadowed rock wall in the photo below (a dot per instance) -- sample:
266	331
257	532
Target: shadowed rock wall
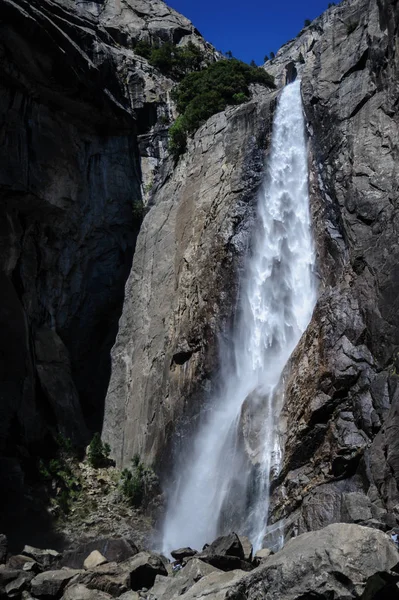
78	120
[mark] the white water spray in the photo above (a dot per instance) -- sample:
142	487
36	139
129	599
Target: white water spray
225	484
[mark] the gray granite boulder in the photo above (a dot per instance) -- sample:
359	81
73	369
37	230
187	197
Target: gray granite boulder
341	561
51	583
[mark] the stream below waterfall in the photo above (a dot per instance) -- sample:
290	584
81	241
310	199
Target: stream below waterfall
237	449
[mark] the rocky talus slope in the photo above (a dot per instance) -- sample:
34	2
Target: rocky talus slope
340	561
340	450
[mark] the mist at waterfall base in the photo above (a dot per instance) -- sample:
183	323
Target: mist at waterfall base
224	485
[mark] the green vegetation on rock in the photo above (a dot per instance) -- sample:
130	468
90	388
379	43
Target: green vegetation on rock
173	61
98	453
58	475
202	94
139	484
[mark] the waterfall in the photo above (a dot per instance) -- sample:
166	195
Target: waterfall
225	483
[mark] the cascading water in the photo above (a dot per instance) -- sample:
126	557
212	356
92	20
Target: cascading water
225	483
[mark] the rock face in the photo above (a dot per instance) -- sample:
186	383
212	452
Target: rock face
341	454
80	138
180	293
81	135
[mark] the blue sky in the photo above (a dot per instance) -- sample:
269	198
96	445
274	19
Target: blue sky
249	28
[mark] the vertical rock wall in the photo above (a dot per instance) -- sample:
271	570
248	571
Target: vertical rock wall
340	413
182	290
78	109
340	455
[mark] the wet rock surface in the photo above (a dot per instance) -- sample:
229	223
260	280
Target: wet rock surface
340	462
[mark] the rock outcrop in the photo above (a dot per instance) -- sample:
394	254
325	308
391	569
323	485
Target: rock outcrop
181	291
81	136
340	460
341	456
84	149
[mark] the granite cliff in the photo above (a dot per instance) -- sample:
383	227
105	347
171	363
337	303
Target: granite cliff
340	449
84	151
81	134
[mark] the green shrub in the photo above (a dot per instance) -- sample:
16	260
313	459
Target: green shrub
173	61
143	48
177	137
138	209
58	477
65	445
202	94
240	98
139	483
307	22
98	454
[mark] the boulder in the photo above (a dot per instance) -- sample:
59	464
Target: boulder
216	586
18	585
161	586
183	553
6	576
261	555
45	558
134	574
339	561
247	547
19	560
52	583
113	549
225	562
196	569
77	591
94	559
129	596
167	588
32	567
3	548
110	578
226	545
142	569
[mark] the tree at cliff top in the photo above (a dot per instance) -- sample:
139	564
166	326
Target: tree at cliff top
173	61
202	94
